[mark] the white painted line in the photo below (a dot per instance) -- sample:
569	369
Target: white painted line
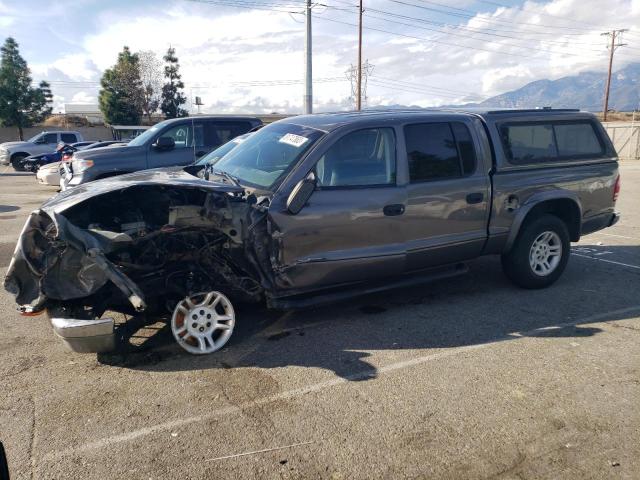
607	261
299	392
615	235
258	451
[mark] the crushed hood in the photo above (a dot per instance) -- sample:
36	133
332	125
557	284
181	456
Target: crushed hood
175	176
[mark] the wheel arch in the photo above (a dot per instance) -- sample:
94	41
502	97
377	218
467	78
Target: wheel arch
19	154
564	205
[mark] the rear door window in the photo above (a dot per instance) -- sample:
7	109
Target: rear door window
437	151
217	133
68	137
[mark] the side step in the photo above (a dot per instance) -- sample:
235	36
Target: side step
300	301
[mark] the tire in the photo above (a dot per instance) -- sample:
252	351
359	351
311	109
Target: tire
16	162
540	253
4	464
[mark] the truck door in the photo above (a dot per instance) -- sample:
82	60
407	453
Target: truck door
350	230
447	195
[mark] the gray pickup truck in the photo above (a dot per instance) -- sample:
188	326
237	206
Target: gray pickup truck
45	142
179	141
313	209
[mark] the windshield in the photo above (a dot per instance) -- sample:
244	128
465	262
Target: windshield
218	153
268	154
34	138
146	135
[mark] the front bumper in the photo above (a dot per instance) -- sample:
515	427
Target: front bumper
48	177
85	336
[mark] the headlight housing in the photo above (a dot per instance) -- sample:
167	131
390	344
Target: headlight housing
4	153
80	165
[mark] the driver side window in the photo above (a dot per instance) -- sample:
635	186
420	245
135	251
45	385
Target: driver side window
362	158
181	134
50	138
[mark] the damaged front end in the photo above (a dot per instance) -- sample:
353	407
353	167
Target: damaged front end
143	242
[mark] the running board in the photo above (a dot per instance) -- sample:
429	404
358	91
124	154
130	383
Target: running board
312	300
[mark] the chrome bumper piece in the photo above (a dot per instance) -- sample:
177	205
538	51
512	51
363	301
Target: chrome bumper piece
85	336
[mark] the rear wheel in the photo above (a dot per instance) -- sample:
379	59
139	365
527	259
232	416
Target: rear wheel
540	253
16	162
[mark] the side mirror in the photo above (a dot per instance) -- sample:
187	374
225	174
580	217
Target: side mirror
165	143
300	195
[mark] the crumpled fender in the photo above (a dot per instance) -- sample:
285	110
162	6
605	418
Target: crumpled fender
71	266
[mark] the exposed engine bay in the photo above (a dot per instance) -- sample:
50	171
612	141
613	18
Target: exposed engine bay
144	247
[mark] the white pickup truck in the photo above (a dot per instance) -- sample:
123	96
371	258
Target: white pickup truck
44	142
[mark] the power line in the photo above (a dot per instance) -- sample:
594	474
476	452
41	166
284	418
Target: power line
483	40
431	40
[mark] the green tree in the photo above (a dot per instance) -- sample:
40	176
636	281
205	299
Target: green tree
21	105
121	96
172	96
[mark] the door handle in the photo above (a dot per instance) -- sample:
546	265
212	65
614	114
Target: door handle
475	197
393	210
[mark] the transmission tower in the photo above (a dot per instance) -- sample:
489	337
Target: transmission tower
352	76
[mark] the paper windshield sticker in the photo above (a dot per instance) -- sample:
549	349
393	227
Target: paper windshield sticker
293	140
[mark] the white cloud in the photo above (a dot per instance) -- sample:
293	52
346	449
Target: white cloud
498	50
84	97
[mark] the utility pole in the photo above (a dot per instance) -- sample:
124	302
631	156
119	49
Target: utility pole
614	34
308	85
359	79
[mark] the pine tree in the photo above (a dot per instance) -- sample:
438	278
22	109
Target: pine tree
21	105
121	96
172	96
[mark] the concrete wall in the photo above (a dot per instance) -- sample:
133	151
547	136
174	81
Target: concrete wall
10	134
626	139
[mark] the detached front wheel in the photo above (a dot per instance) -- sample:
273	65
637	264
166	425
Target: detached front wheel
203	323
540	253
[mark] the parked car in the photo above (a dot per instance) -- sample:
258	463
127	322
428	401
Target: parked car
62	152
179	141
315	209
104	143
45	142
49	174
82	145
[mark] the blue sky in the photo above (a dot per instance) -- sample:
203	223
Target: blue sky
250	59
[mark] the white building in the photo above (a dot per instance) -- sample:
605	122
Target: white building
85	110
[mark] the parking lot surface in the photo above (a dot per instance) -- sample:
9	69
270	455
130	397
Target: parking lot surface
469	377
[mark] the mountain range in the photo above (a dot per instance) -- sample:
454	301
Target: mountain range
584	90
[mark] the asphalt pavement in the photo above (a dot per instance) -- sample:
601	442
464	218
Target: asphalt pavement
467	378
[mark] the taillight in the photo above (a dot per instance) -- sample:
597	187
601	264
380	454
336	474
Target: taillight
616	189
